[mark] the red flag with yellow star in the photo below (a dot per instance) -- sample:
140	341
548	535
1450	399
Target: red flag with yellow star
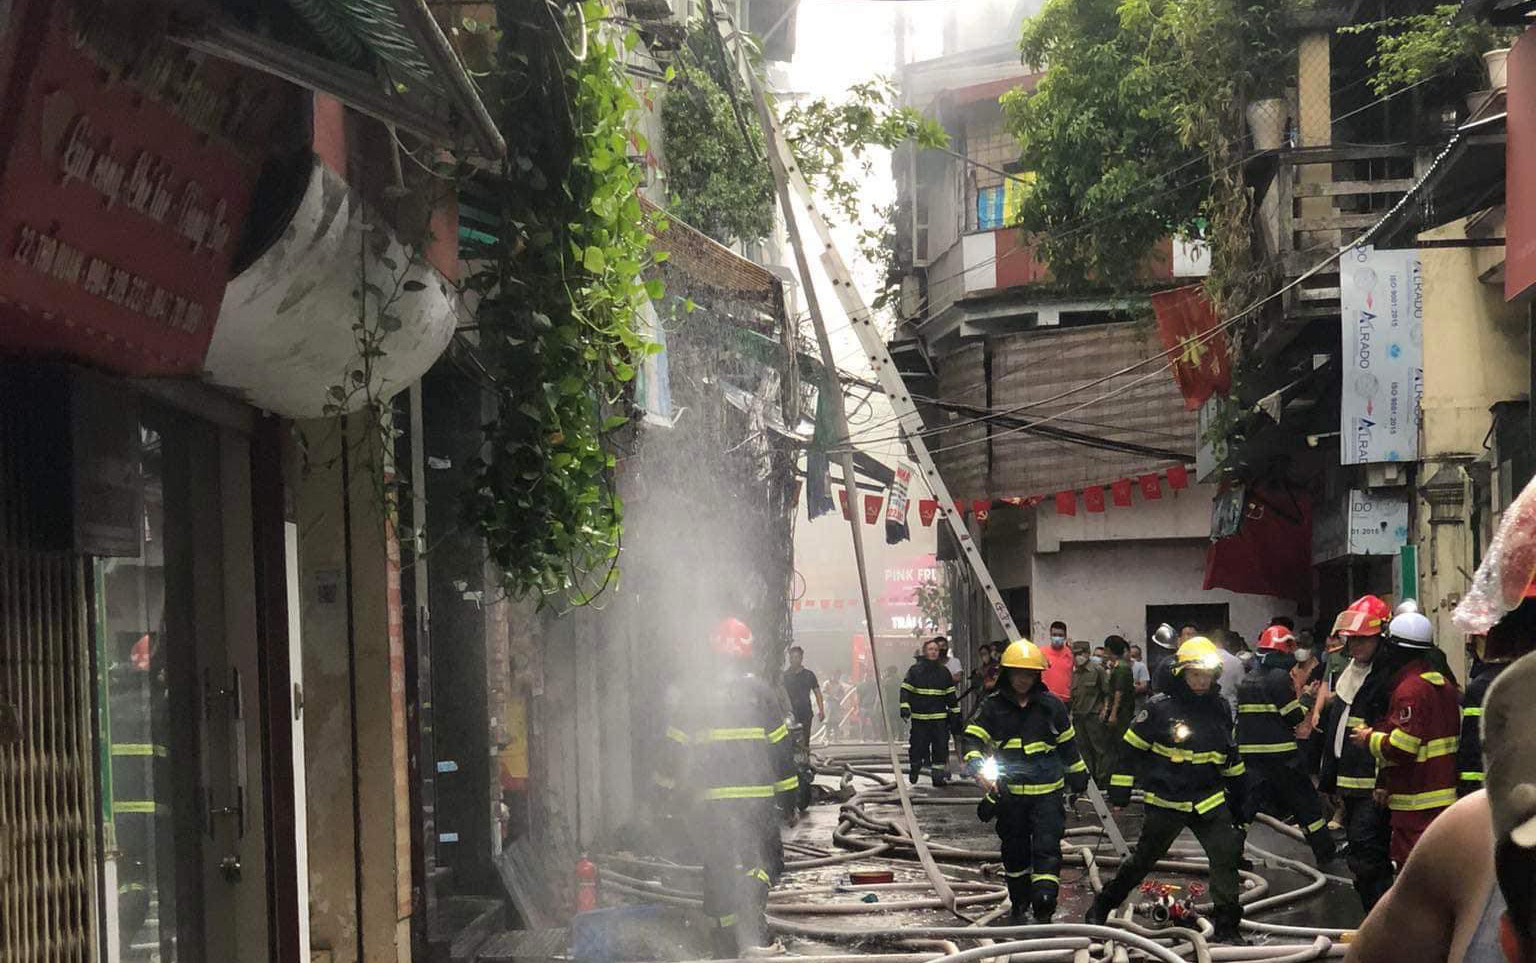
1200	352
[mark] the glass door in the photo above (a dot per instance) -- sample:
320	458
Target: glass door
179	819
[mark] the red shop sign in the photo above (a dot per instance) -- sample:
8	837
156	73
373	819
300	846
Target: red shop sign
123	194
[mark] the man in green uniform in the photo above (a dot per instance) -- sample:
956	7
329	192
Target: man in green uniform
1089	704
1121	700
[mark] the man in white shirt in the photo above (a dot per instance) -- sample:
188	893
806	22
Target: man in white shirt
1141	676
1231	671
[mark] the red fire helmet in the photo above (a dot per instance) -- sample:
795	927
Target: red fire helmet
1367	616
732	638
1277	638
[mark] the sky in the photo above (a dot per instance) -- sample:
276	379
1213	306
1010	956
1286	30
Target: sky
825	65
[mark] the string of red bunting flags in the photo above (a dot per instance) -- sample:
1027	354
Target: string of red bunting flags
1095	498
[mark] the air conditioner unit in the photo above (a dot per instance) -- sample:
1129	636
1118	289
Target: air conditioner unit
1386	475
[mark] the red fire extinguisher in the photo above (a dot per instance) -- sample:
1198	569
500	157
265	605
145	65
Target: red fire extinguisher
586	885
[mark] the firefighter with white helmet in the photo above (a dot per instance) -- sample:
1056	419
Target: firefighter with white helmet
1022	750
728	770
1191	774
1268	713
1411	707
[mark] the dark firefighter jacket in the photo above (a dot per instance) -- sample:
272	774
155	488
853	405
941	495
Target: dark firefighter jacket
929	692
1267	711
1182	754
1355	769
728	740
1415	742
1469	754
1034	744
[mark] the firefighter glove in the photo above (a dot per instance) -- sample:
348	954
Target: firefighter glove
1119	795
1077	782
906	713
987	808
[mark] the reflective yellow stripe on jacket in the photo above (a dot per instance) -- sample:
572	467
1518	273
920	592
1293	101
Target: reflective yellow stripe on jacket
1419	801
1202	807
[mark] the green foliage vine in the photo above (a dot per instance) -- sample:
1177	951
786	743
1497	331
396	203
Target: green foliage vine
559	291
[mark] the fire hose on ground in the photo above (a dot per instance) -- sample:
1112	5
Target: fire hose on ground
1121	940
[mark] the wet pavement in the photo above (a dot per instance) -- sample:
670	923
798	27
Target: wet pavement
947	817
956	825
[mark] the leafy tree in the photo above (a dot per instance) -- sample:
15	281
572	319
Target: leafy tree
1415	47
1135	130
718	171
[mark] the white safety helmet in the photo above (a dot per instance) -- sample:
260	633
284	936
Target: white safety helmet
1412	630
1165	637
1406	606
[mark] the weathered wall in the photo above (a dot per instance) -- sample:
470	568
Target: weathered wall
1103	588
372	585
1476	353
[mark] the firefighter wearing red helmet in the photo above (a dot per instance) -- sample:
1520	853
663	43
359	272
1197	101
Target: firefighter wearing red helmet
1351	769
727	774
1268	713
1411	707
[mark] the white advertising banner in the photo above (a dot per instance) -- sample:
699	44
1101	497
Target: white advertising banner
1378	521
1382	302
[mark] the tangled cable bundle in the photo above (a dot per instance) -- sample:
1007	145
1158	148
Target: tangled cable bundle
866	780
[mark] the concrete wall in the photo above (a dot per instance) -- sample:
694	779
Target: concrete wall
1476	347
1476	353
1103	588
374	594
1098	571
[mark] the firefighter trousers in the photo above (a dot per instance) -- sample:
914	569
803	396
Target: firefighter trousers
1217	835
928	745
1368	828
1407	826
735	848
1030	828
1282	788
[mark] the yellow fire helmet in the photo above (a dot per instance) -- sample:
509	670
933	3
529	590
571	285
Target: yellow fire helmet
1198	653
1023	654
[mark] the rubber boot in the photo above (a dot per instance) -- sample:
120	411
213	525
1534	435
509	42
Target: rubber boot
724	943
1226	926
1018	900
1098	913
1044	905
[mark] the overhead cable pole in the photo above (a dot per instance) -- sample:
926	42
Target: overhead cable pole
790	181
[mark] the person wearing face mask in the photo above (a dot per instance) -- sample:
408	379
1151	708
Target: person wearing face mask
1022	750
1089	706
1058	663
1180	749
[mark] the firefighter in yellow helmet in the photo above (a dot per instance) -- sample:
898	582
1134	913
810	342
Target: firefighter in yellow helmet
1180	748
1022	751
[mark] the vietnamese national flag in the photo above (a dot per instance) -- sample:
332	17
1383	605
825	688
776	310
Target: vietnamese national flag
1178	477
872	509
1199	352
1121	491
842	496
1066	503
1151	487
926	509
1093	498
